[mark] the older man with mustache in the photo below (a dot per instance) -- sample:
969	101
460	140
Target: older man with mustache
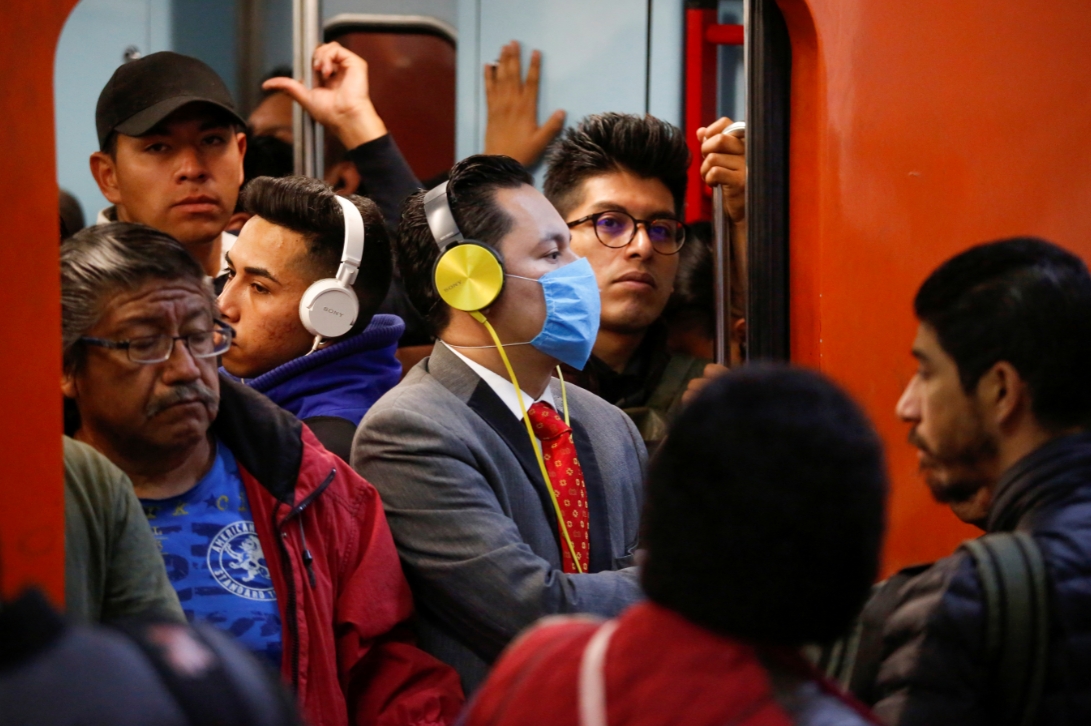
263	532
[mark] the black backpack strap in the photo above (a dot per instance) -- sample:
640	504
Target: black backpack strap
1016	601
853	661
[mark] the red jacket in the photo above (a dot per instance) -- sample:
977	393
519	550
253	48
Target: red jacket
659	670
345	606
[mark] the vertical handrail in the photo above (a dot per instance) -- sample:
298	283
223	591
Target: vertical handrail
703	36
306	31
722	248
721	256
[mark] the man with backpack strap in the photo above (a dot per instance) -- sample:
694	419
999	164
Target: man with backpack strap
999	408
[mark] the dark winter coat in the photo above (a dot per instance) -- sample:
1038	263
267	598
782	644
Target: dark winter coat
934	670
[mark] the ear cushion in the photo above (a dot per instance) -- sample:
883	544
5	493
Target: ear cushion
328	308
469	276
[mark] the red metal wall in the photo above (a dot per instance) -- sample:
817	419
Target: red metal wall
919	129
31	494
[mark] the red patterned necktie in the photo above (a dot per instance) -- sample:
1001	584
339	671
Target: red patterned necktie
566	480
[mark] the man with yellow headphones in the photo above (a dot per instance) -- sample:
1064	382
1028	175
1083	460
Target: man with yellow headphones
510	496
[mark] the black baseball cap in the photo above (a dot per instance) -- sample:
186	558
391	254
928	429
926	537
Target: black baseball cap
143	92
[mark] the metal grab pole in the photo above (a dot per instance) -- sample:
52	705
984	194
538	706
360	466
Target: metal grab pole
306	27
721	262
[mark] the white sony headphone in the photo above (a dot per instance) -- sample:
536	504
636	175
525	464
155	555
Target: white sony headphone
329	307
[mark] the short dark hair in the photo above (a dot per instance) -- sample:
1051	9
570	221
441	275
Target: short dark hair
609	142
108	258
692	303
765	509
284	71
109	146
1025	301
471	191
308	206
267	156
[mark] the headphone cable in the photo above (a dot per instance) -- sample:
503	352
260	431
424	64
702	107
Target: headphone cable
534	439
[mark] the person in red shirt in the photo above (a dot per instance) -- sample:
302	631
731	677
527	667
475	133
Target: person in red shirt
761	532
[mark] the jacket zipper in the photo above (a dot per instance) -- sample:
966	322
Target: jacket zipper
308	560
293	626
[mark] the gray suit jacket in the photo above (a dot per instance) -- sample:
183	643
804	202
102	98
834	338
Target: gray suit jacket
471	516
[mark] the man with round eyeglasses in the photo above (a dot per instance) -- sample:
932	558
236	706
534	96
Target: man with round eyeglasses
263	532
619	182
617	229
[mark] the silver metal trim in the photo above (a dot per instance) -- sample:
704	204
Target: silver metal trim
378	20
721	263
441	220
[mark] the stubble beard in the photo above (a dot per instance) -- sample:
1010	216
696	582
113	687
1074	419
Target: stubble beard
956	476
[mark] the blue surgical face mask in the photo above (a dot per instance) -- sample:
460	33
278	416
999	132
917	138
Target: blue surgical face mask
573	308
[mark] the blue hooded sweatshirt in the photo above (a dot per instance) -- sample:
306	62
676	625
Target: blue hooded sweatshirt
341	381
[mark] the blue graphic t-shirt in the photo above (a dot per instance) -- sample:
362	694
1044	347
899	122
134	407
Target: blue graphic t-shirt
214	559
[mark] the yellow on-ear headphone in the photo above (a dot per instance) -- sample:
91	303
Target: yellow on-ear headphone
469	276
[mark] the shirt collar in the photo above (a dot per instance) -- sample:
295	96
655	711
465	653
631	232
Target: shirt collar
503	388
226	241
106	215
109	214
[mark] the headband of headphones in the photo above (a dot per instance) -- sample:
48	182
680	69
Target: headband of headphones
437	209
353	250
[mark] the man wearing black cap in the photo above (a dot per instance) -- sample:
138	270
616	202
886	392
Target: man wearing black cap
171	147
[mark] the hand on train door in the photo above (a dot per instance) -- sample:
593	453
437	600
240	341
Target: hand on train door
724	163
340	99
512	128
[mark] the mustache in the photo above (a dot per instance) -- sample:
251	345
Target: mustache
966	482
183	393
915	440
958	491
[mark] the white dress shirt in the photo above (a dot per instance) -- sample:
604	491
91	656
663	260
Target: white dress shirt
503	388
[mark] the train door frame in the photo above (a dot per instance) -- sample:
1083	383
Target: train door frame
32	513
769	85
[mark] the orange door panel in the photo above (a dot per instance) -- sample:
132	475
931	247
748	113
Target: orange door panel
31	493
918	130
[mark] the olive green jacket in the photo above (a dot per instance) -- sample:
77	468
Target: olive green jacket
113	568
654	416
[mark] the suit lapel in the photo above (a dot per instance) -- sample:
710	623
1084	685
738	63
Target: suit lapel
597	515
486	404
457	377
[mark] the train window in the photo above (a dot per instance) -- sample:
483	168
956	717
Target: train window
731	76
411	69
